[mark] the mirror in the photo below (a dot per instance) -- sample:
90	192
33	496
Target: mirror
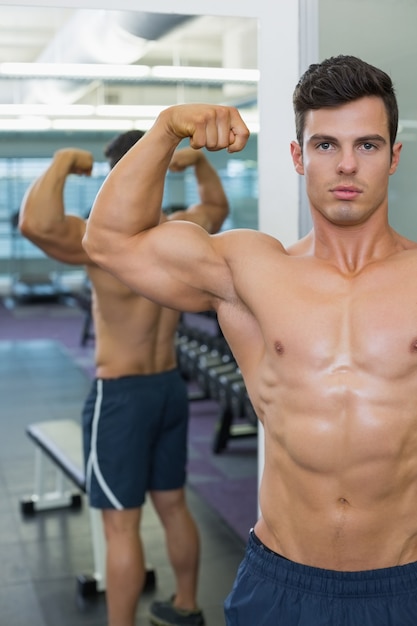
279	29
212	43
100	67
80	76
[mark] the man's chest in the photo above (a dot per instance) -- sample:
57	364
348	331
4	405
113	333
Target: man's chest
323	318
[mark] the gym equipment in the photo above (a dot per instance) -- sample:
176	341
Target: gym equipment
234	404
206	359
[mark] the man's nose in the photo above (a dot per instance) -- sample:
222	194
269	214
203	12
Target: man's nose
348	162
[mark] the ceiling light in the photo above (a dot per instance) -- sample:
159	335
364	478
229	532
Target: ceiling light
111	72
95	124
75	71
46	109
77	117
128	110
205	74
91	124
25	124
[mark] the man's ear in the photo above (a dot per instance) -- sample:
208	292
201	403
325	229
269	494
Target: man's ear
395	158
297	157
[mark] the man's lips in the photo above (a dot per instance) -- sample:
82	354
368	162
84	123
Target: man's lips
346	193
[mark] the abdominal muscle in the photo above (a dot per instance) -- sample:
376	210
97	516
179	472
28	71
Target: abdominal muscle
339	486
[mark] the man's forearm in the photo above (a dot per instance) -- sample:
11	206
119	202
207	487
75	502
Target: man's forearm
130	199
211	193
210	187
43	206
42	217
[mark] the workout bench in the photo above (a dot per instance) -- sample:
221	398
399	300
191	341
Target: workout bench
59	443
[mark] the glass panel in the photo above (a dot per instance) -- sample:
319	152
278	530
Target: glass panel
382	33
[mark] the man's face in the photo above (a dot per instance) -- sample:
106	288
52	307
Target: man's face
347	160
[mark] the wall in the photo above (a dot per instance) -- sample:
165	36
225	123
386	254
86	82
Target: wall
383	34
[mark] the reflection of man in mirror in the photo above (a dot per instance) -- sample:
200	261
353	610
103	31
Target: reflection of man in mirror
136	416
325	335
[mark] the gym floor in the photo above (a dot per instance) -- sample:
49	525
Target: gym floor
42	555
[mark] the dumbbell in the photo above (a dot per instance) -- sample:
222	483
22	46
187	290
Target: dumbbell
207	363
215	373
224	384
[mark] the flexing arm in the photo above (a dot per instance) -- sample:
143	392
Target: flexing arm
213	207
42	217
176	263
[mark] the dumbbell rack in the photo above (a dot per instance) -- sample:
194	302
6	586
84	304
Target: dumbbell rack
205	358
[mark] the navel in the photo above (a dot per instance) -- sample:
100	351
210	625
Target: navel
343	501
413	346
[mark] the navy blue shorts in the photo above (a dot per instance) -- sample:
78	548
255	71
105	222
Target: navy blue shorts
135	438
270	590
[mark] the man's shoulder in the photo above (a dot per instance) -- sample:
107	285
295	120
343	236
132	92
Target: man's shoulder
408	244
243	237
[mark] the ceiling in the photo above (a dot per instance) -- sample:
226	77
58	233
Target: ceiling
380	31
51	35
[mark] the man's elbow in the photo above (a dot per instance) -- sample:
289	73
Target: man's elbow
220	218
29	228
88	245
96	249
24	226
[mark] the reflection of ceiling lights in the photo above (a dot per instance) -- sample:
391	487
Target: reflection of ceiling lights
205	74
79	110
35	117
33	124
120	73
29	110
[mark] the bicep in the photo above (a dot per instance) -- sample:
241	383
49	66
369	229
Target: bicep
63	242
176	264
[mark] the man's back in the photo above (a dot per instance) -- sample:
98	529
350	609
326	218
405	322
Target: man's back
133	334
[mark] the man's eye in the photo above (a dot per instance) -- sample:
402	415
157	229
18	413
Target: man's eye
324	146
368	146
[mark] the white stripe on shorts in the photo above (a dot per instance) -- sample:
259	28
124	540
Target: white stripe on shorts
93	466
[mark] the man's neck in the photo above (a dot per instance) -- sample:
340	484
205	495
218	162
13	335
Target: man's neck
350	248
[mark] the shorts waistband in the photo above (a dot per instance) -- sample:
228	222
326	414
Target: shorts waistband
270	565
141	379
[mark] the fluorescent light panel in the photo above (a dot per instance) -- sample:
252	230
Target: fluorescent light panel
205	74
80	110
47	109
128	110
36	117
73	70
25	124
104	71
45	124
91	124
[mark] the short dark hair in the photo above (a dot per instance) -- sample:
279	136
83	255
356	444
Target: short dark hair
121	144
339	80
